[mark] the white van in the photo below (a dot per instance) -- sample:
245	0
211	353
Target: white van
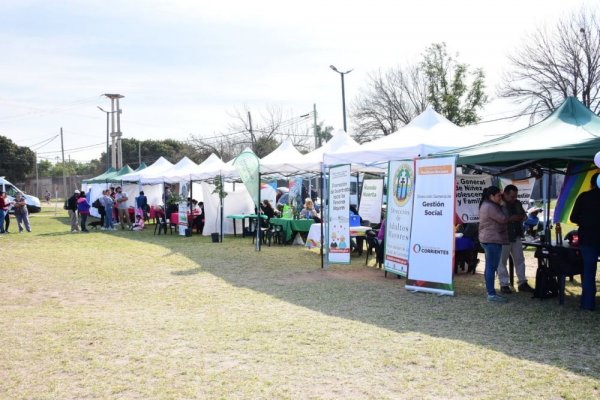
33	203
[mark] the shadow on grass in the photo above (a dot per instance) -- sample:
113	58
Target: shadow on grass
186	272
539	331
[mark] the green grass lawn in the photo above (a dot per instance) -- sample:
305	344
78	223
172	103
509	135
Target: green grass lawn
129	315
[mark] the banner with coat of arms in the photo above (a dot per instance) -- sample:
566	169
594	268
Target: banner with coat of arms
398	216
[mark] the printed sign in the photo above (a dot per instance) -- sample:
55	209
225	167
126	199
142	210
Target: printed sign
469	189
431	256
182	209
370	200
338	232
398	216
525	187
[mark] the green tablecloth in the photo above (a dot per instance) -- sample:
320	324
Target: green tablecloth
292	225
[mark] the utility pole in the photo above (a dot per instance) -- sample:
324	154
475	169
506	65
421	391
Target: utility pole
251	133
37	178
62	149
116	134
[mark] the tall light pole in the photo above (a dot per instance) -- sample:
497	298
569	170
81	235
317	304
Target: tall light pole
116	134
343	92
107	131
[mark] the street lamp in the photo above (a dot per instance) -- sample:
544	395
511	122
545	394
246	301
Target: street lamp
343	92
107	153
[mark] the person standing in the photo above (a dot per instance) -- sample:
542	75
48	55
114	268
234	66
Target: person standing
3	210
83	208
21	213
107	201
493	234
72	208
586	214
141	204
121	200
514	248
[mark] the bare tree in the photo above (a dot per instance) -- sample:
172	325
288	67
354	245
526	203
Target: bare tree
390	100
262	132
557	63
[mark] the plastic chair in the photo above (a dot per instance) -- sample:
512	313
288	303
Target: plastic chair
162	224
277	234
266	233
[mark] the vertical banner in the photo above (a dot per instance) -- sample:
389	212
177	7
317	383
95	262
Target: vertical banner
295	199
525	187
431	256
338	227
398	216
370	200
468	194
182	209
248	166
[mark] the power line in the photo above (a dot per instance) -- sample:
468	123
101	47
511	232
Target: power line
75	149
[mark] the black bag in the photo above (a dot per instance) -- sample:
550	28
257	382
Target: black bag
546	284
66	205
96	203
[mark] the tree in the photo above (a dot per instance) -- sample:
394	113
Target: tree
324	133
557	63
16	162
261	132
390	100
448	91
394	97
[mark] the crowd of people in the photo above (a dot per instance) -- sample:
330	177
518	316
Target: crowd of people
114	211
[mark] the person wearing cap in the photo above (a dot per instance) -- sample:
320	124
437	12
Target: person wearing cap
586	214
513	207
72	208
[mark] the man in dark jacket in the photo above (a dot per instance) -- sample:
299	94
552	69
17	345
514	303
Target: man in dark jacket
512	206
586	214
72	208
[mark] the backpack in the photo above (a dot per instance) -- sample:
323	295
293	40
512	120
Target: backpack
66	205
546	284
96	203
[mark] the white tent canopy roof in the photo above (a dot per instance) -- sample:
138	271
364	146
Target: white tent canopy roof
156	169
340	142
177	173
284	160
209	168
427	133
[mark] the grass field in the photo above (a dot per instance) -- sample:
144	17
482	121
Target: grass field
129	315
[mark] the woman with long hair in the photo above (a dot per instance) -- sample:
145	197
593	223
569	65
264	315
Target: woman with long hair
493	233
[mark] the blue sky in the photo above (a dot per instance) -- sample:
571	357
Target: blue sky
186	66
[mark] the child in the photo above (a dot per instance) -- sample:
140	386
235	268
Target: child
138	224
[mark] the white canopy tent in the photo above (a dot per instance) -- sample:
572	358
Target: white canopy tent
340	142
428	133
154	192
176	173
283	161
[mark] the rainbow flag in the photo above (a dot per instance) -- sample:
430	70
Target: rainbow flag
577	180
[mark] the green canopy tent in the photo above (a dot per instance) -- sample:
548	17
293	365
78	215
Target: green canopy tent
102	177
141	167
116	178
571	132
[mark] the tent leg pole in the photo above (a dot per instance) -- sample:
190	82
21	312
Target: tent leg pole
322	215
